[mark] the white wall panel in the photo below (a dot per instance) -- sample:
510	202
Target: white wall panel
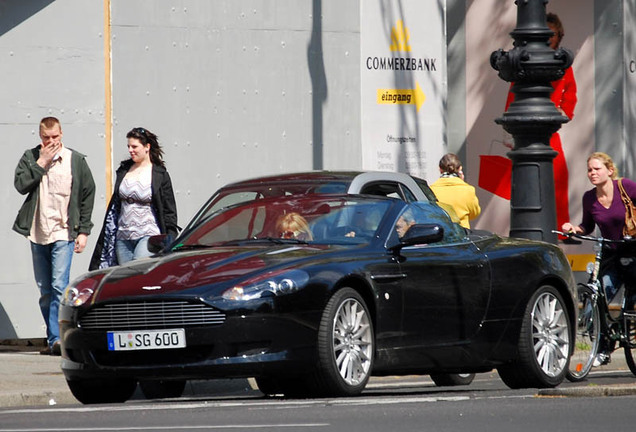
48	67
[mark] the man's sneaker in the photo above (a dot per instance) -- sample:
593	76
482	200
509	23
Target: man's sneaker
602	359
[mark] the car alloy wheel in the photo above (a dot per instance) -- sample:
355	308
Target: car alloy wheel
346	344
551	334
543	345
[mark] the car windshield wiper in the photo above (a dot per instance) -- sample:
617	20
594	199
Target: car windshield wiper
276	240
182	247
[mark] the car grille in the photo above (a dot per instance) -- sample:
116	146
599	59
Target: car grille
149	315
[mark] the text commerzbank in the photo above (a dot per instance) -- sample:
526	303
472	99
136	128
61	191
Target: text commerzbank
402	63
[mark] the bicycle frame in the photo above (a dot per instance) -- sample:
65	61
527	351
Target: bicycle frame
621	329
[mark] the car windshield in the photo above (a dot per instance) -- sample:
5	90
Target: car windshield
232	195
326	219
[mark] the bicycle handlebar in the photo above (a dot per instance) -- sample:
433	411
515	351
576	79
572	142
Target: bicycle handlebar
626	239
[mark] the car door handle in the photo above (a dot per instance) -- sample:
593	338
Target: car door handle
381	276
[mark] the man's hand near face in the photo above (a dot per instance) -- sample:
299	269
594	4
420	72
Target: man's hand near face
51	145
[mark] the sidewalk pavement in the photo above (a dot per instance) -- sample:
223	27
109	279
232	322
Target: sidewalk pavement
30	379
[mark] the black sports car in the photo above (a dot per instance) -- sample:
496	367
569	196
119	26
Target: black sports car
312	294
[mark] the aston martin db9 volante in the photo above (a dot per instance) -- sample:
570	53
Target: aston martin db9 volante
313	293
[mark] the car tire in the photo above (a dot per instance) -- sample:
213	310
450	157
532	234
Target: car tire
160	389
270	386
345	346
449	380
543	345
102	391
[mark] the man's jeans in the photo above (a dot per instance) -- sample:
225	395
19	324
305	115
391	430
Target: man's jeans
52	267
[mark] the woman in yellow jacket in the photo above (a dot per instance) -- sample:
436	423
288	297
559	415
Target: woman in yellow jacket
452	190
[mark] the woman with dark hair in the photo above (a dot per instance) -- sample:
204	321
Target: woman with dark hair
451	190
142	204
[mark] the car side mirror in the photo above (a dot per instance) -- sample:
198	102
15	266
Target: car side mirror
157	243
421	234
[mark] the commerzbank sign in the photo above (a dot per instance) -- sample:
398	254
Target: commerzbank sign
400	43
403	86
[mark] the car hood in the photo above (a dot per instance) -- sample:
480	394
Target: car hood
194	271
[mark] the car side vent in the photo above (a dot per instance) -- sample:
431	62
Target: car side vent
150	315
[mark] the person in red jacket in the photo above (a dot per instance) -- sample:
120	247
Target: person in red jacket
564	98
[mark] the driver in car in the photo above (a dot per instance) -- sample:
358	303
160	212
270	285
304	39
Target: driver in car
405	221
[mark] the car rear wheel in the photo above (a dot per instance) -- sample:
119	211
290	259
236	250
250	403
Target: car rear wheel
102	391
345	345
543	345
160	389
447	380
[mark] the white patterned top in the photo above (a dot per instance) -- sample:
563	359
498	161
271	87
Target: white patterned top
136	219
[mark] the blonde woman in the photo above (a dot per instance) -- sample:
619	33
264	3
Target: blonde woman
293	225
603	207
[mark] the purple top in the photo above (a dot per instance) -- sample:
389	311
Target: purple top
609	220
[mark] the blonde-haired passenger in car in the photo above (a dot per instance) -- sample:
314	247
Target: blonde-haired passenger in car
293	226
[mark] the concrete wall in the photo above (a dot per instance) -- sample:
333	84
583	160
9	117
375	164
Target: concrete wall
238	88
233	89
52	64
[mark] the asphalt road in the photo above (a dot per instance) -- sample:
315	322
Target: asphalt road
394	404
388	403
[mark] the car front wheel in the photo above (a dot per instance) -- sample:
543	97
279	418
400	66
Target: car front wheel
102	391
345	345
543	345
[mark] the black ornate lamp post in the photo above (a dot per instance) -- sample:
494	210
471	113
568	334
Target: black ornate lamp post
532	119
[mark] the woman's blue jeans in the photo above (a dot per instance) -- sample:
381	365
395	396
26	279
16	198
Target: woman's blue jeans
52	268
616	272
128	250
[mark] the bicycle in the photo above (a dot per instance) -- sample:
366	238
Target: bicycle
595	320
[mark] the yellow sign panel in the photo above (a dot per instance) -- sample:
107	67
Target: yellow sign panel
400	37
402	96
579	262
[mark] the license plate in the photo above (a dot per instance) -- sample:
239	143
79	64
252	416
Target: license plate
146	340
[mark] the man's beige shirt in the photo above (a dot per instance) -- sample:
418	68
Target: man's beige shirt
50	223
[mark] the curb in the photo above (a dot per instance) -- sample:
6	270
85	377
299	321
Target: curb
590	391
42	398
220	387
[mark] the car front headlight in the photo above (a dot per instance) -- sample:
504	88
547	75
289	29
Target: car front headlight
80	292
270	284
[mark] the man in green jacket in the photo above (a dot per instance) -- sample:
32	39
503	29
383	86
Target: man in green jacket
55	217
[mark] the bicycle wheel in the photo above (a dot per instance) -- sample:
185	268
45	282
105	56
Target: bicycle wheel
587	335
629	316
